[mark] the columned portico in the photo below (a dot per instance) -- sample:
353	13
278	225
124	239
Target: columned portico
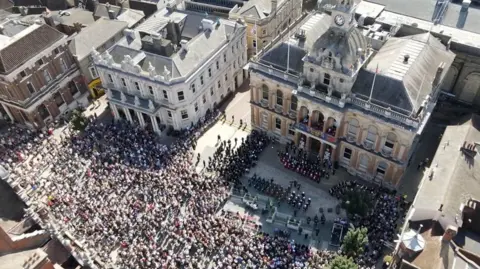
140	118
127	113
116	116
156	129
8	112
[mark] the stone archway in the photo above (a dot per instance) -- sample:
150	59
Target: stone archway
450	79
470	88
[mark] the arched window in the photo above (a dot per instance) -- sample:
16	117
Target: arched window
389	144
326	79
264	92
364	163
293	103
279	98
371	137
381	169
353	127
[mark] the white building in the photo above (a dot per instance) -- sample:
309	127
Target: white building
173	68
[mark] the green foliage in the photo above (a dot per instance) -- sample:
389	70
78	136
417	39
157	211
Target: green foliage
355	241
342	262
78	120
387	259
357	202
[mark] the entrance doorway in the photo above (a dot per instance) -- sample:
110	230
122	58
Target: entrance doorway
133	115
121	113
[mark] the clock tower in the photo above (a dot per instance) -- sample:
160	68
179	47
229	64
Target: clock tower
343	14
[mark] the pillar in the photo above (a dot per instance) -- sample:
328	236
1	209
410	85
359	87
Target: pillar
333	157
297	138
321	152
140	119
8	112
156	129
116	116
308	143
127	113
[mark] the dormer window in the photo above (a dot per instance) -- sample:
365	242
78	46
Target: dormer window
326	79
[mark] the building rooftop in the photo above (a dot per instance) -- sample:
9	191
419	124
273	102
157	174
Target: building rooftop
22	46
94	36
17	260
71	16
12	209
412	79
174	42
257	9
131	16
454	177
430	10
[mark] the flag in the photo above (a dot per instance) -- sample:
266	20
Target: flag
376	70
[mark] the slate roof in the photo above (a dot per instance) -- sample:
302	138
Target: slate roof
425	10
124	14
24	48
95	36
201	44
455	177
279	55
257	9
411	82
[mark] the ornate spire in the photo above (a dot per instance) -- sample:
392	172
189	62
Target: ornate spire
151	70
166	73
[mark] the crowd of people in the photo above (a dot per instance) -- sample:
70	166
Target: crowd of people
381	219
114	187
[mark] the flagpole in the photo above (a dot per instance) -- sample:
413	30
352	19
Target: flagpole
373	84
414	107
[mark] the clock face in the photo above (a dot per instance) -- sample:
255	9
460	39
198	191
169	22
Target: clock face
339	20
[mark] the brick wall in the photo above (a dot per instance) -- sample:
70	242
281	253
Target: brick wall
24	242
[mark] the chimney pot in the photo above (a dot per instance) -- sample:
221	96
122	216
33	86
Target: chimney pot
111	14
405	58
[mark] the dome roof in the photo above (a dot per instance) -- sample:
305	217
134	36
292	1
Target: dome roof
343	45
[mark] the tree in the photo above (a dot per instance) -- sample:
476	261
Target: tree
355	241
342	262
78	121
357	202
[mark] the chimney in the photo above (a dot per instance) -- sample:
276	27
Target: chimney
173	32
405	58
465	5
449	233
438	75
47	17
111	14
274	7
23	10
207	24
184	44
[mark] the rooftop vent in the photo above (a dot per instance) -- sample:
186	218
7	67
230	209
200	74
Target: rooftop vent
207	24
184	44
405	58
111	14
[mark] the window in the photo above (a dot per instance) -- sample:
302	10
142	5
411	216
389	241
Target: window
291	129
225	57
218	66
30	87
371	137
293	103
150	90
389	144
64	66
169	114
347	153
192	87
226	77
47	76
110	78
209	72
165	95
363	164
265	92
124	82
353	127
43	111
254	43
278	123
279	98
196	107
311	70
23	74
184	115
137	86
204	99
58	99
180	95
211	90
39	62
56	51
93	72
264	32
73	88
326	79
219	84
381	169
201	80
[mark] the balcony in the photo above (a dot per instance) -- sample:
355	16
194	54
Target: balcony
279	109
351	137
368	144
264	103
316	133
386	151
